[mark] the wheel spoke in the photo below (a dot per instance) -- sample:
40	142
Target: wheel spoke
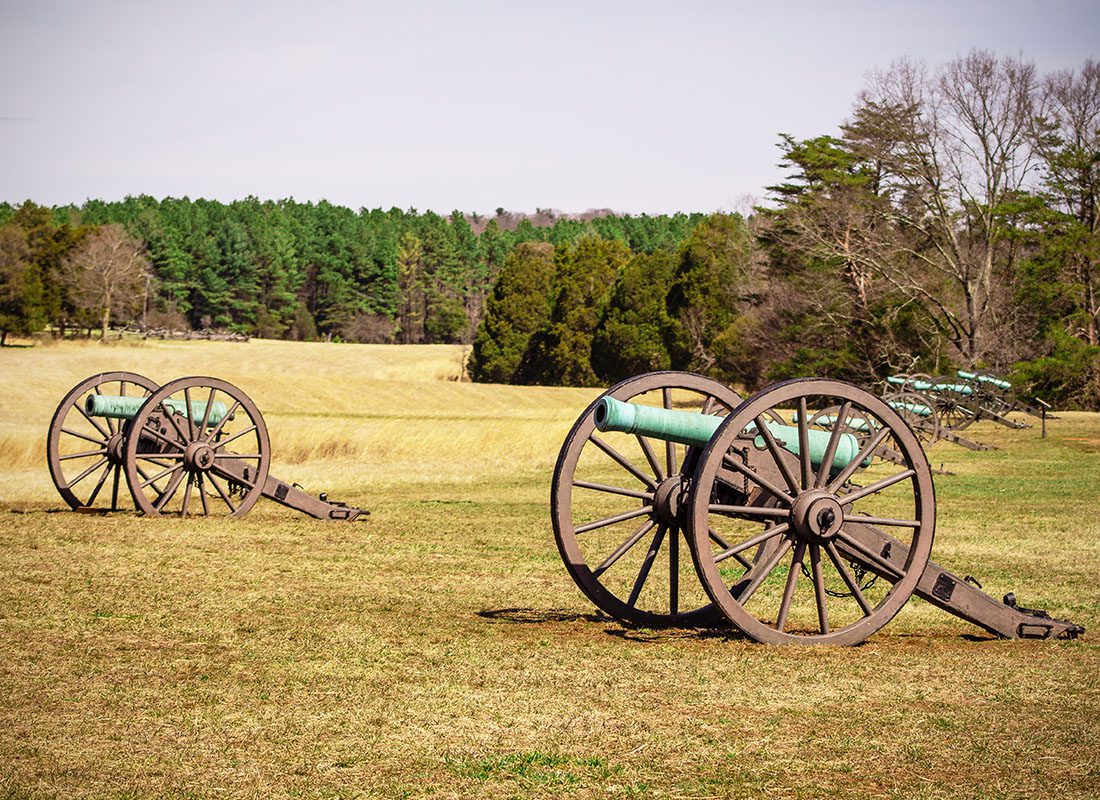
792	582
854	464
777	454
897	523
99	485
83	436
219	456
171	417
109	421
169	490
651	457
114	488
187	491
718	540
221	423
160	437
647	565
755	541
759	480
235	436
874	488
847	577
756	512
163	474
834	440
888	570
189	413
86	473
603	523
601	487
105	434
674	571
804	443
670	447
202	496
621	550
621	460
224	496
819	588
742	594
85	454
708	405
206	413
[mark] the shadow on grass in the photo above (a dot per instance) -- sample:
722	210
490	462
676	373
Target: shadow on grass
613	627
538	616
93	512
657	635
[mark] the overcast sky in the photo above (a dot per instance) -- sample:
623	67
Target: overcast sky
635	106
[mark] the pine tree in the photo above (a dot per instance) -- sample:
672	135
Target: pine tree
518	307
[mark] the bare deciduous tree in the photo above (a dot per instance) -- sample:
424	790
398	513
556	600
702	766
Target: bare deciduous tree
107	274
960	158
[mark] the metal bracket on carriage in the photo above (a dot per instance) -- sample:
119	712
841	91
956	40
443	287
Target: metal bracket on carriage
1046	625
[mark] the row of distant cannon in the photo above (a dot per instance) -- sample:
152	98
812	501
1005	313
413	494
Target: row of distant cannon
940	407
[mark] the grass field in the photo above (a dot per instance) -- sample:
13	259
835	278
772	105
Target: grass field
440	650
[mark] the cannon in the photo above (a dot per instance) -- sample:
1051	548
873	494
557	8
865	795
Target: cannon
967	397
999	395
196	445
933	416
794	535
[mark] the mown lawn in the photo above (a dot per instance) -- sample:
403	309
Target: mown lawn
440	650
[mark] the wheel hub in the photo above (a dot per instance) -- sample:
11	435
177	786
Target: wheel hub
667	500
816	516
116	445
198	457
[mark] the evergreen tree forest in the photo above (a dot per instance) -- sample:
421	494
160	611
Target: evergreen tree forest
953	220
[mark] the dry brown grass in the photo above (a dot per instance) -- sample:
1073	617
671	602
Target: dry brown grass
439	650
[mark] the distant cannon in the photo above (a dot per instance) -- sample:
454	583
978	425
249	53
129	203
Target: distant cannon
999	395
193	446
786	525
966	397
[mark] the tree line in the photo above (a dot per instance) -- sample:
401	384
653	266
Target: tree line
277	269
952	222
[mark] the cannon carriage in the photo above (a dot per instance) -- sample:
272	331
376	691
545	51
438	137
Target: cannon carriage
195	446
676	502
959	400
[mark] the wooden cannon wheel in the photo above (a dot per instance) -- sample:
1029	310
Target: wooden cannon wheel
927	429
823	523
84	452
615	503
219	453
999	399
955	410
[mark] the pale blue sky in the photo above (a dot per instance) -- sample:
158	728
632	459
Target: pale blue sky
636	106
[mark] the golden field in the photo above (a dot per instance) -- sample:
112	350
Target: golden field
440	650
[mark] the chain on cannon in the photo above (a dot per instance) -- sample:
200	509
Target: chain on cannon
794	534
195	446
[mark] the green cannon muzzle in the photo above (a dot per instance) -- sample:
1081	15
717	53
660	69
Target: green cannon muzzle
925	386
696	430
121	407
973	376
